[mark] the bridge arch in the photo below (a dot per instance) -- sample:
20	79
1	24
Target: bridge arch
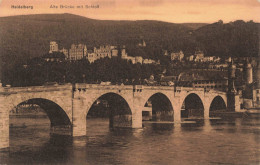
114	106
159	106
192	105
217	103
56	114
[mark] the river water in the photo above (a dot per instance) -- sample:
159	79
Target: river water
218	141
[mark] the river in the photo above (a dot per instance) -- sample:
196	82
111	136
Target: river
218	141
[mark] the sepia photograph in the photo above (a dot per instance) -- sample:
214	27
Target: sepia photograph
130	82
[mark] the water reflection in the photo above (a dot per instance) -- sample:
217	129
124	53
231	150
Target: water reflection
213	141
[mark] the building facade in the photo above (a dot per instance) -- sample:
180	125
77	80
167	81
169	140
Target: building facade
103	51
77	52
53	47
91	57
177	56
199	56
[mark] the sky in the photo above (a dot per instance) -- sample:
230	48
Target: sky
177	11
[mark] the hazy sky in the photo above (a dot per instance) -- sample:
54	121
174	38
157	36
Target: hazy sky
165	10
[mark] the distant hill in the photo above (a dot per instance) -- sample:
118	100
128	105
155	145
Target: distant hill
237	39
28	36
194	26
24	37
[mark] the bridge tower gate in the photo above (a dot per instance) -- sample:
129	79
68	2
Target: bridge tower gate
233	102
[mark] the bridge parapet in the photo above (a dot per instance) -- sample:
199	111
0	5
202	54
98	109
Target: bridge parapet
83	86
192	89
208	90
10	90
187	89
158	88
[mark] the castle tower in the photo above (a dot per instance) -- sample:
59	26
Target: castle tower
53	47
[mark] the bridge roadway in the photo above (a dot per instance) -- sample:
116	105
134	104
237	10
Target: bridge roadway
68	105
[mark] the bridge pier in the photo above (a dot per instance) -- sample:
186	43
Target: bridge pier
4	125
137	118
207	103
206	112
176	104
79	121
177	115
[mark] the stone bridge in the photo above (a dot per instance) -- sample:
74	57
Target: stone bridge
68	105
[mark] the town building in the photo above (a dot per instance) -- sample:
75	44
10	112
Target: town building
216	59
209	79
177	56
103	51
139	59
114	52
190	58
65	52
208	59
123	53
149	61
199	56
